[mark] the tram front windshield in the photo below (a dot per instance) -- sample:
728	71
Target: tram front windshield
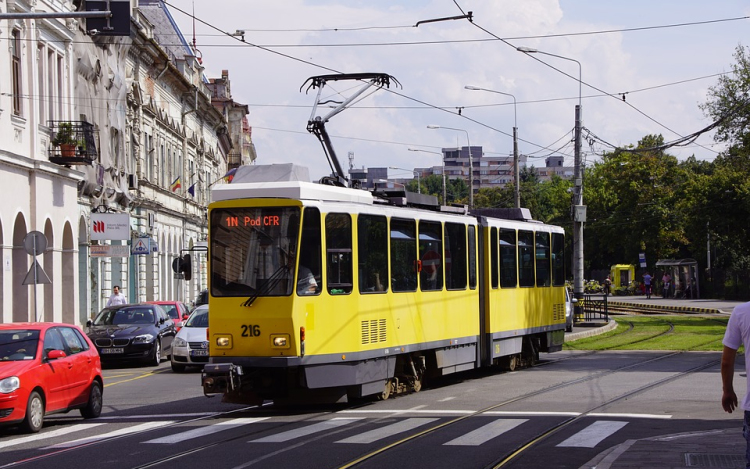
253	251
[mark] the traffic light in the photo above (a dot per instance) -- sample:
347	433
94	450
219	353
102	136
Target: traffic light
186	267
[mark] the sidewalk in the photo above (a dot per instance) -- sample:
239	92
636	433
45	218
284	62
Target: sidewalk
704	306
723	448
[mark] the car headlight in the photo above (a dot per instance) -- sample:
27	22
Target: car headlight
180	342
143	339
9	384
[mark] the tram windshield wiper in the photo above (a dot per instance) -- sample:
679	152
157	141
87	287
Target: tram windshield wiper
269	285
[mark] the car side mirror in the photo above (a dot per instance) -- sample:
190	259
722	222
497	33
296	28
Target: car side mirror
178	324
89	323
55	354
574	300
161	320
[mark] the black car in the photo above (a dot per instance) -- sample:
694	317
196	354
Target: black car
134	332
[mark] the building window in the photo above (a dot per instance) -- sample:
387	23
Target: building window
41	95
15	52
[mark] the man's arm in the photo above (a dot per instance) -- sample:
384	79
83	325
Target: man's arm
728	397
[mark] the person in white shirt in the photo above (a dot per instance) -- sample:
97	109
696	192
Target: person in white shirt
737	333
116	298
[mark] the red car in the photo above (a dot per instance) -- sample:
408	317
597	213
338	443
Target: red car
47	368
176	310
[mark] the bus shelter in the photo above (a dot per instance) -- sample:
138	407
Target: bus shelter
684	273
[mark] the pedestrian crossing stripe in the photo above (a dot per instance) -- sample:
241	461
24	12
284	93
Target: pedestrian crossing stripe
305	431
120	432
205	430
592	435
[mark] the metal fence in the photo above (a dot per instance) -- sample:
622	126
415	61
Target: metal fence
593	308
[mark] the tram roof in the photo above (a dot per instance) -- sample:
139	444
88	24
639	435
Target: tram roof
297	190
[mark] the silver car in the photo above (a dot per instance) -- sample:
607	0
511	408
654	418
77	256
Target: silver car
569	302
190	347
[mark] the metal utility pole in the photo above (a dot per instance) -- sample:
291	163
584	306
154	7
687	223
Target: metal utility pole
516	175
578	209
471	161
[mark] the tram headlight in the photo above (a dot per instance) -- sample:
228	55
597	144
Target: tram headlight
224	341
280	340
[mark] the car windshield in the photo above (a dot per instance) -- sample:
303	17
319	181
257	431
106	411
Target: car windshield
199	318
129	315
171	311
18	344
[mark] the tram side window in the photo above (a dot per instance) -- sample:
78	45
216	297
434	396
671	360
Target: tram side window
472	257
542	259
372	250
558	259
310	266
339	253
455	256
493	257
403	255
431	254
508	271
526	258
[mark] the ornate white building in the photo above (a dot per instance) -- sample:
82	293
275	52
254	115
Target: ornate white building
148	143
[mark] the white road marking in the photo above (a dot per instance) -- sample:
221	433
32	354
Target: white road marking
46	435
446	399
120	432
486	432
593	434
308	430
205	430
388	430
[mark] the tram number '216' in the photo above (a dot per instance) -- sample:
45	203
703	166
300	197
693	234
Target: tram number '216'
250	331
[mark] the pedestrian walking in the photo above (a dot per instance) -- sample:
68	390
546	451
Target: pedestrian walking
607	285
116	298
666	281
647	284
737	333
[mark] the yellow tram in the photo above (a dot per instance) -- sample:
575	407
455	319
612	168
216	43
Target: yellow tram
317	292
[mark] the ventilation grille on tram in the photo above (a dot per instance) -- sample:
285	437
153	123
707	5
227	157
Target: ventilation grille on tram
373	331
558	312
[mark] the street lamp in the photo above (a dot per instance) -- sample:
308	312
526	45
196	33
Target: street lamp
419	185
442	159
471	161
579	210
516	176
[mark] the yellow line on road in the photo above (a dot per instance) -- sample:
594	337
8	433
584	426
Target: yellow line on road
144	375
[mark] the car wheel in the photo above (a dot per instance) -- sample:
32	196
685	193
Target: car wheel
94	407
156	358
34	413
177	368
569	328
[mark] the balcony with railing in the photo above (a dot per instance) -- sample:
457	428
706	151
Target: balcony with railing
73	143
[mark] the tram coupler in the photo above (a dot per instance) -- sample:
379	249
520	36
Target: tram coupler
220	378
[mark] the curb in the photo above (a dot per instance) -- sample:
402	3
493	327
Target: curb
571	336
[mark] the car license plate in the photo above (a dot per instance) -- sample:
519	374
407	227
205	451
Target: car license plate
199	353
112	350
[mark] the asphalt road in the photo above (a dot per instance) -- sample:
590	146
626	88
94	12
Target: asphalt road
562	413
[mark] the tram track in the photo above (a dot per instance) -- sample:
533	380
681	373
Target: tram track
507	459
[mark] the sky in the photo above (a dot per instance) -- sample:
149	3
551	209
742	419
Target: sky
662	55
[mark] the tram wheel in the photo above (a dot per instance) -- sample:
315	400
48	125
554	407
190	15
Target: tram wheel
386	390
512	363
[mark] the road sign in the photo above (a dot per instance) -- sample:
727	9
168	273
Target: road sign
35	243
36	275
141	246
642	259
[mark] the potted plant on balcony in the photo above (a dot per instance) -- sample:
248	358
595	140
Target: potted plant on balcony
65	139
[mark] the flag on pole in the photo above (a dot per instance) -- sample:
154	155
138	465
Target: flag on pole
191	190
176	184
230	174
